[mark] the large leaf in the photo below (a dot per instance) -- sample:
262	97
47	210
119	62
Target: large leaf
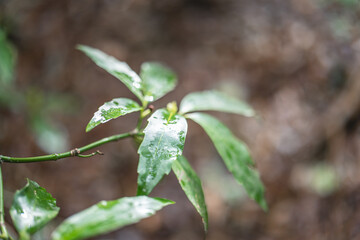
108	216
32	208
235	155
111	110
157	80
214	101
163	142
191	184
118	69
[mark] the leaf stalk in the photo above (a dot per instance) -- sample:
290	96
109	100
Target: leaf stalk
143	114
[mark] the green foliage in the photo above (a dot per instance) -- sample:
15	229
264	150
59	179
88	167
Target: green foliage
107	216
7	60
191	184
157	80
118	69
235	155
111	110
32	208
7	65
161	145
214	101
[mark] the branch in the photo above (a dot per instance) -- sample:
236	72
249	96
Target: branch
72	153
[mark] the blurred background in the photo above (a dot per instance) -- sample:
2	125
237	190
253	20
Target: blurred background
296	62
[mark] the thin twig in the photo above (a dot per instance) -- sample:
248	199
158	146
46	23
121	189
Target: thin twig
91	154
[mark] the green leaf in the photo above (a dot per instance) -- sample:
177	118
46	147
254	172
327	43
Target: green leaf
191	184
7	60
235	155
107	216
214	101
32	208
118	69
111	110
163	142
157	80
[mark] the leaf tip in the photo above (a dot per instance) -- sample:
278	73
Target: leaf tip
80	47
31	182
263	204
165	201
206	227
91	125
89	128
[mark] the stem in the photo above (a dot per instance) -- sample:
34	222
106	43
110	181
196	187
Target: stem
138	125
141	116
24	236
72	153
4	232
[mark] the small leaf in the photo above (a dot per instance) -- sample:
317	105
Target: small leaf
214	101
32	208
157	80
235	155
107	216
118	69
191	184
163	142
111	110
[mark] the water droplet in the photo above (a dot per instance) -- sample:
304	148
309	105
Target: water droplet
102	204
149	98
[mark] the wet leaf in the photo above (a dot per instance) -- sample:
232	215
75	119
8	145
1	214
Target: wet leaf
32	208
118	69
214	101
191	184
163	142
157	80
111	110
107	216
235	155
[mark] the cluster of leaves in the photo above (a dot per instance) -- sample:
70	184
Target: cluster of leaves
160	151
33	207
